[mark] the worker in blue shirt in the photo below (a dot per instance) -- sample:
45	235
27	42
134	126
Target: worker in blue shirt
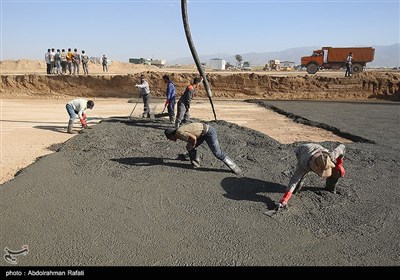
170	95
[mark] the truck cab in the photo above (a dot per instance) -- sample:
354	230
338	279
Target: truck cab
313	62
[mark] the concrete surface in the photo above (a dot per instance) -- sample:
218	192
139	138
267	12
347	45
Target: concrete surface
120	195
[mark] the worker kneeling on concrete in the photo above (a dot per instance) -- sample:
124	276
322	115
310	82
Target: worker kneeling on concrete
315	158
195	134
78	107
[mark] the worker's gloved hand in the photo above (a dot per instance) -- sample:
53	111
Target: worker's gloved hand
83	122
167	102
280	206
339	166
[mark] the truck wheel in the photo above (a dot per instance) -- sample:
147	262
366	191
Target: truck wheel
356	68
312	68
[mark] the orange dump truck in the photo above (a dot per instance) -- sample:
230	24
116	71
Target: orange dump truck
335	58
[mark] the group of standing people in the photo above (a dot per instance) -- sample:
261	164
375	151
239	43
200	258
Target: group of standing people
183	106
68	62
59	62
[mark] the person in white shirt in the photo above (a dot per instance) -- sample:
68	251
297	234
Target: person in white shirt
78	107
52	62
85	62
48	62
145	93
349	61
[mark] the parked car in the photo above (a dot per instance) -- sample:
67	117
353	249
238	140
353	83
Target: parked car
246	66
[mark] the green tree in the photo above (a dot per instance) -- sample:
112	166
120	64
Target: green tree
239	59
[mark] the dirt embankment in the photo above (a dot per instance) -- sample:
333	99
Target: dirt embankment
24	77
367	85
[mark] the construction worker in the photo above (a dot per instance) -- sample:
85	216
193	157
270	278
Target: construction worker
76	61
315	158
195	134
85	62
104	62
78	107
170	95
349	61
70	55
145	93
184	102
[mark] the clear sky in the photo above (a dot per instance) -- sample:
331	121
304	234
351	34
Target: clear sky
154	29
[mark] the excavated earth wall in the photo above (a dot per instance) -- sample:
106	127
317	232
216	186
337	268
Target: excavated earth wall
367	85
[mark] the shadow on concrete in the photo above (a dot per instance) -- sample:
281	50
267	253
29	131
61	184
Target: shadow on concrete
250	189
152	161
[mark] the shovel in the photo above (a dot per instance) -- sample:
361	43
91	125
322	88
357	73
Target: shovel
162	114
134	108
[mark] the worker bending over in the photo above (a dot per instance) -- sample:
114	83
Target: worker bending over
315	158
195	134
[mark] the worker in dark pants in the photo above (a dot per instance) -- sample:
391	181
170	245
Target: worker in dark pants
145	94
195	134
349	62
183	114
170	98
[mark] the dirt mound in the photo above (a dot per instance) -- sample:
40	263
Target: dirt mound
22	65
27	67
367	85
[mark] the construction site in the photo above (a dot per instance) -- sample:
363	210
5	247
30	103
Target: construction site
120	194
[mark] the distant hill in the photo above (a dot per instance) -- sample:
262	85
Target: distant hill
385	56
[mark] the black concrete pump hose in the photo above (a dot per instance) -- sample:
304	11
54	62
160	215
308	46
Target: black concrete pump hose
194	53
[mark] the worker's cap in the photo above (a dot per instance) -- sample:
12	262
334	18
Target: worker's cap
90	104
322	164
169	132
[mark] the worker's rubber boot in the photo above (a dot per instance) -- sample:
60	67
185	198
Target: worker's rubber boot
331	184
194	159
331	181
232	165
171	119
195	162
177	123
70	127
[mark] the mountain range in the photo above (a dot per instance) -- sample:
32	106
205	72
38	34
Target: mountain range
385	56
